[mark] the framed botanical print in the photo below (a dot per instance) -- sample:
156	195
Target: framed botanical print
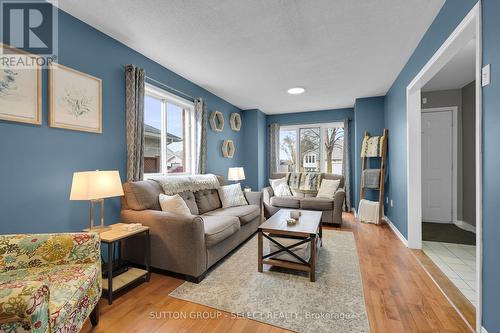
75	100
20	89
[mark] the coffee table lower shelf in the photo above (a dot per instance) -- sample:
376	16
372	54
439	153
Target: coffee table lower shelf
309	267
291	264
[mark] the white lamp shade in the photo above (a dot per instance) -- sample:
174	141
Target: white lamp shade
236	174
92	185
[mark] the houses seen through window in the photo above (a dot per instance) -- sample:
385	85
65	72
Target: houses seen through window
311	148
166	133
152	135
310	140
175	139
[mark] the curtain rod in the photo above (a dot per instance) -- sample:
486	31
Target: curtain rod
309	123
171	89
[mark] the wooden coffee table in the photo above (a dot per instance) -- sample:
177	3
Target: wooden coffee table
307	229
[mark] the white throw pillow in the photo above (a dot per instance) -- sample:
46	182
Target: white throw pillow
280	187
232	195
174	204
328	188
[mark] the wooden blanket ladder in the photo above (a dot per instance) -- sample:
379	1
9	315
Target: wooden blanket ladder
383	165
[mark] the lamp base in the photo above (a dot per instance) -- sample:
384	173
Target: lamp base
97	228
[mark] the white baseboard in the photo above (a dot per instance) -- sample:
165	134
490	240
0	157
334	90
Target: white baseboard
483	330
465	226
395	231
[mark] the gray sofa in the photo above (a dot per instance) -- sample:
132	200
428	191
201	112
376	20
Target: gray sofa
331	208
187	245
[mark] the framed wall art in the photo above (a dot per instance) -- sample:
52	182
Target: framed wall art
75	100
20	89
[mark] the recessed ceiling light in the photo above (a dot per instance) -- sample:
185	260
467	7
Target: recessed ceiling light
296	90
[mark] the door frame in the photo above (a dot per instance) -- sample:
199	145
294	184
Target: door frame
469	28
454	158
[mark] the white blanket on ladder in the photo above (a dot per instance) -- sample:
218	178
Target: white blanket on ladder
368	211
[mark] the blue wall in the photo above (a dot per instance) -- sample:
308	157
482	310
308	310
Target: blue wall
368	116
254	146
491	166
447	20
37	163
313	117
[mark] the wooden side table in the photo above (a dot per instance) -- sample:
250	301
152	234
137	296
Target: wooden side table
117	234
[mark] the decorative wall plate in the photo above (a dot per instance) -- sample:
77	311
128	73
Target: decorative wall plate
217	121
235	121
228	148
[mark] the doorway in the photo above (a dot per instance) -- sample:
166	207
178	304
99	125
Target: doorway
439	165
467	33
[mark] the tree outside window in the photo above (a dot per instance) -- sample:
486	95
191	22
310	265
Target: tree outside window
334	149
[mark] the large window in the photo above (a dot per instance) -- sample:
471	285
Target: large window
167	133
312	148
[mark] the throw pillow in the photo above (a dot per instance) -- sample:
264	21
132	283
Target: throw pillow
174	204
280	187
232	195
328	188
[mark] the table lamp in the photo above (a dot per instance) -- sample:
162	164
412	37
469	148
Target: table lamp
95	186
236	174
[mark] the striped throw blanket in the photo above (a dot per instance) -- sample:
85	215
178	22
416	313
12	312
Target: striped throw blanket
304	182
310	182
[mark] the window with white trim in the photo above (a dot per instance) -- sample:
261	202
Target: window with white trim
168	135
311	148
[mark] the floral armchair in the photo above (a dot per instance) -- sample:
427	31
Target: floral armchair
49	282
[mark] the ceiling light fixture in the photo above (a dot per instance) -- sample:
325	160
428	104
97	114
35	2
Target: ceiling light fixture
296	90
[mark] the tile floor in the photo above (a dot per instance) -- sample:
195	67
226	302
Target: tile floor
457	262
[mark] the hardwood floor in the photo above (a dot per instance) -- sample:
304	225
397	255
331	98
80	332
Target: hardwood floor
400	297
461	303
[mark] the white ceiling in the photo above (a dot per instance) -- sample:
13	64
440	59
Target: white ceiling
249	52
458	72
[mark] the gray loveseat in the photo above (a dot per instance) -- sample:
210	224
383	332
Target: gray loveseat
331	208
187	245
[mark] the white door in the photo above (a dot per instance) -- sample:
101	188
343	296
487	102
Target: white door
437	166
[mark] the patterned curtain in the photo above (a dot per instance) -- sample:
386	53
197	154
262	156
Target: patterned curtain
346	166
200	116
274	142
134	94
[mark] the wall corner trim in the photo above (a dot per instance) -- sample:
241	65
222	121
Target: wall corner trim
396	231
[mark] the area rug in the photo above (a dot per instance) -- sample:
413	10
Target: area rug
285	298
